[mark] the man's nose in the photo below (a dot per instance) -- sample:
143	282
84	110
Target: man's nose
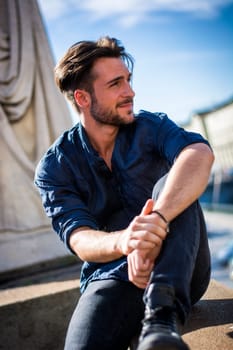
128	90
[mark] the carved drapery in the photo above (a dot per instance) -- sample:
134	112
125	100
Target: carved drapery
33	113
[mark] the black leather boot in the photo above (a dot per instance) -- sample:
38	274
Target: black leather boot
160	330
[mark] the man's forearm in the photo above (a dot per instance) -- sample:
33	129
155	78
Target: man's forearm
95	246
186	180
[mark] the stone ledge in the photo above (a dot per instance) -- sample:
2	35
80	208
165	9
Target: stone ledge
210	326
39	323
23	294
35	311
36	316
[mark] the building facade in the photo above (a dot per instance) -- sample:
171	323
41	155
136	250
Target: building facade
216	124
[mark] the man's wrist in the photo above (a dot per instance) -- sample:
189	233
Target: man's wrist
162	217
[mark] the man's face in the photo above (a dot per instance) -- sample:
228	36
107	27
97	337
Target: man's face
112	96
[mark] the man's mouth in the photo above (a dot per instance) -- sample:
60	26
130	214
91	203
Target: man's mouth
125	103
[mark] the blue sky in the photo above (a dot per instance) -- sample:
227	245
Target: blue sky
183	49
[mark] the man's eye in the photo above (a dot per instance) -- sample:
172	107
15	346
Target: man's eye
115	83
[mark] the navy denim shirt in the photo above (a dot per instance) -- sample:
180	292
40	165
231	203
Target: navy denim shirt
78	189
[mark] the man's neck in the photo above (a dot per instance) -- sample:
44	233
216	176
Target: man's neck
102	138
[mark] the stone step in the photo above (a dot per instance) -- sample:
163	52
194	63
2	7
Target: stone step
210	326
35	316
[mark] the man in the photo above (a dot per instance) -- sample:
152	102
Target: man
146	256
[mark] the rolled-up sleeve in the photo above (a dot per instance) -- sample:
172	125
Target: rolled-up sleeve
61	197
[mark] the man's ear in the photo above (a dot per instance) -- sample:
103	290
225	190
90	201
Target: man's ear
82	98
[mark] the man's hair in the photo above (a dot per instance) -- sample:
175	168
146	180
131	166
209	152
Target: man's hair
74	70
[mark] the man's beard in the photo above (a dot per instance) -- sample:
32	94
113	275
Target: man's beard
107	116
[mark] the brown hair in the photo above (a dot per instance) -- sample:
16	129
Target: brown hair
74	70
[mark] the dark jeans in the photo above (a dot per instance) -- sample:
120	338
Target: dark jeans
109	313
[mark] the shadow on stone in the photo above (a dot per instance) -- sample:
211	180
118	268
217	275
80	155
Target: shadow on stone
210	313
210	324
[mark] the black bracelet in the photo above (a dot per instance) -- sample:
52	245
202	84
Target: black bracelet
162	217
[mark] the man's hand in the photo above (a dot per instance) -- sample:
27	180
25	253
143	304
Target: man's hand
144	232
139	269
140	265
142	242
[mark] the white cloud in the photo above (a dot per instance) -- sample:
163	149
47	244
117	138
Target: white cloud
131	12
53	9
